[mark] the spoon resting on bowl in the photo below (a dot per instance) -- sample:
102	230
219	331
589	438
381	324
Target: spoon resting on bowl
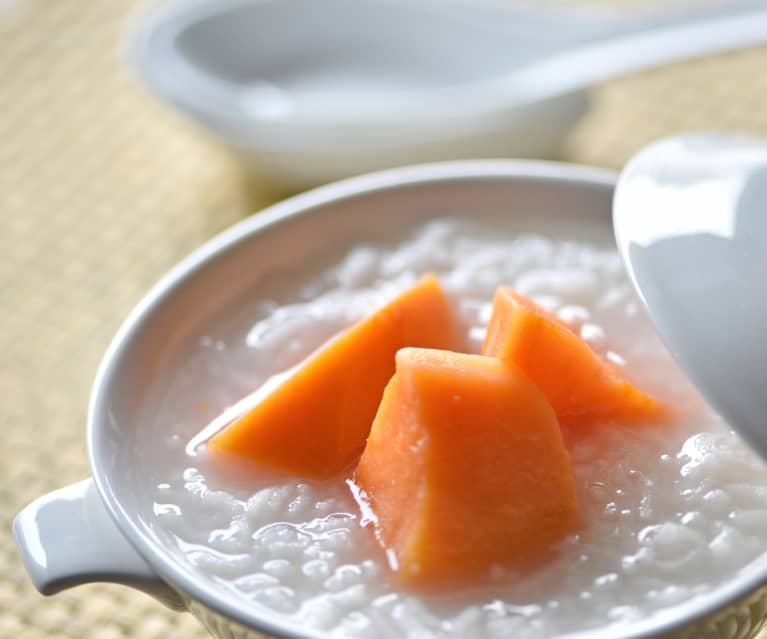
690	218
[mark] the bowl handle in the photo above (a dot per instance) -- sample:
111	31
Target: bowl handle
67	538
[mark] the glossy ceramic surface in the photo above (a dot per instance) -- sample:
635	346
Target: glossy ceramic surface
308	95
691	222
542	196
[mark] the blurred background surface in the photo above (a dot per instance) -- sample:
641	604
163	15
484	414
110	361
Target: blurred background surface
102	189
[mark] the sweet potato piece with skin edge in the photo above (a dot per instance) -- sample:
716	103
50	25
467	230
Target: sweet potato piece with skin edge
316	421
581	386
465	468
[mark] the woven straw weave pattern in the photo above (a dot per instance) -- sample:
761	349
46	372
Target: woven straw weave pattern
102	189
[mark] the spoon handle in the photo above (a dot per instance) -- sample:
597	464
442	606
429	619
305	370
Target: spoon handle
699	34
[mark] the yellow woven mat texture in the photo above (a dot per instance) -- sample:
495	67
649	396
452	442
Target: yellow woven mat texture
102	189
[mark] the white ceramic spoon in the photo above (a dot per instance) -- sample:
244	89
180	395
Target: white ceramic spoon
690	216
312	91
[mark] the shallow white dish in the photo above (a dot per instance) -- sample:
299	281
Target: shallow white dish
91	531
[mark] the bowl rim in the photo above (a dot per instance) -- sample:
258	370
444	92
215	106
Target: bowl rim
182	578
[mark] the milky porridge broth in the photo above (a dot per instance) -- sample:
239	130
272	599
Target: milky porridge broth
669	512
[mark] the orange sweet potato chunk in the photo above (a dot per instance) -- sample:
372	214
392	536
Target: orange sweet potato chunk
316	421
464	469
581	386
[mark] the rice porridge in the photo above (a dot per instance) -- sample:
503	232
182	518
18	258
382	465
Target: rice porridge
669	512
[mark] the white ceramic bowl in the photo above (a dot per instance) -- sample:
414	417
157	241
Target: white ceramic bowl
91	531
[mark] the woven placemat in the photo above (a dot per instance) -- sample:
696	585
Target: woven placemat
102	189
